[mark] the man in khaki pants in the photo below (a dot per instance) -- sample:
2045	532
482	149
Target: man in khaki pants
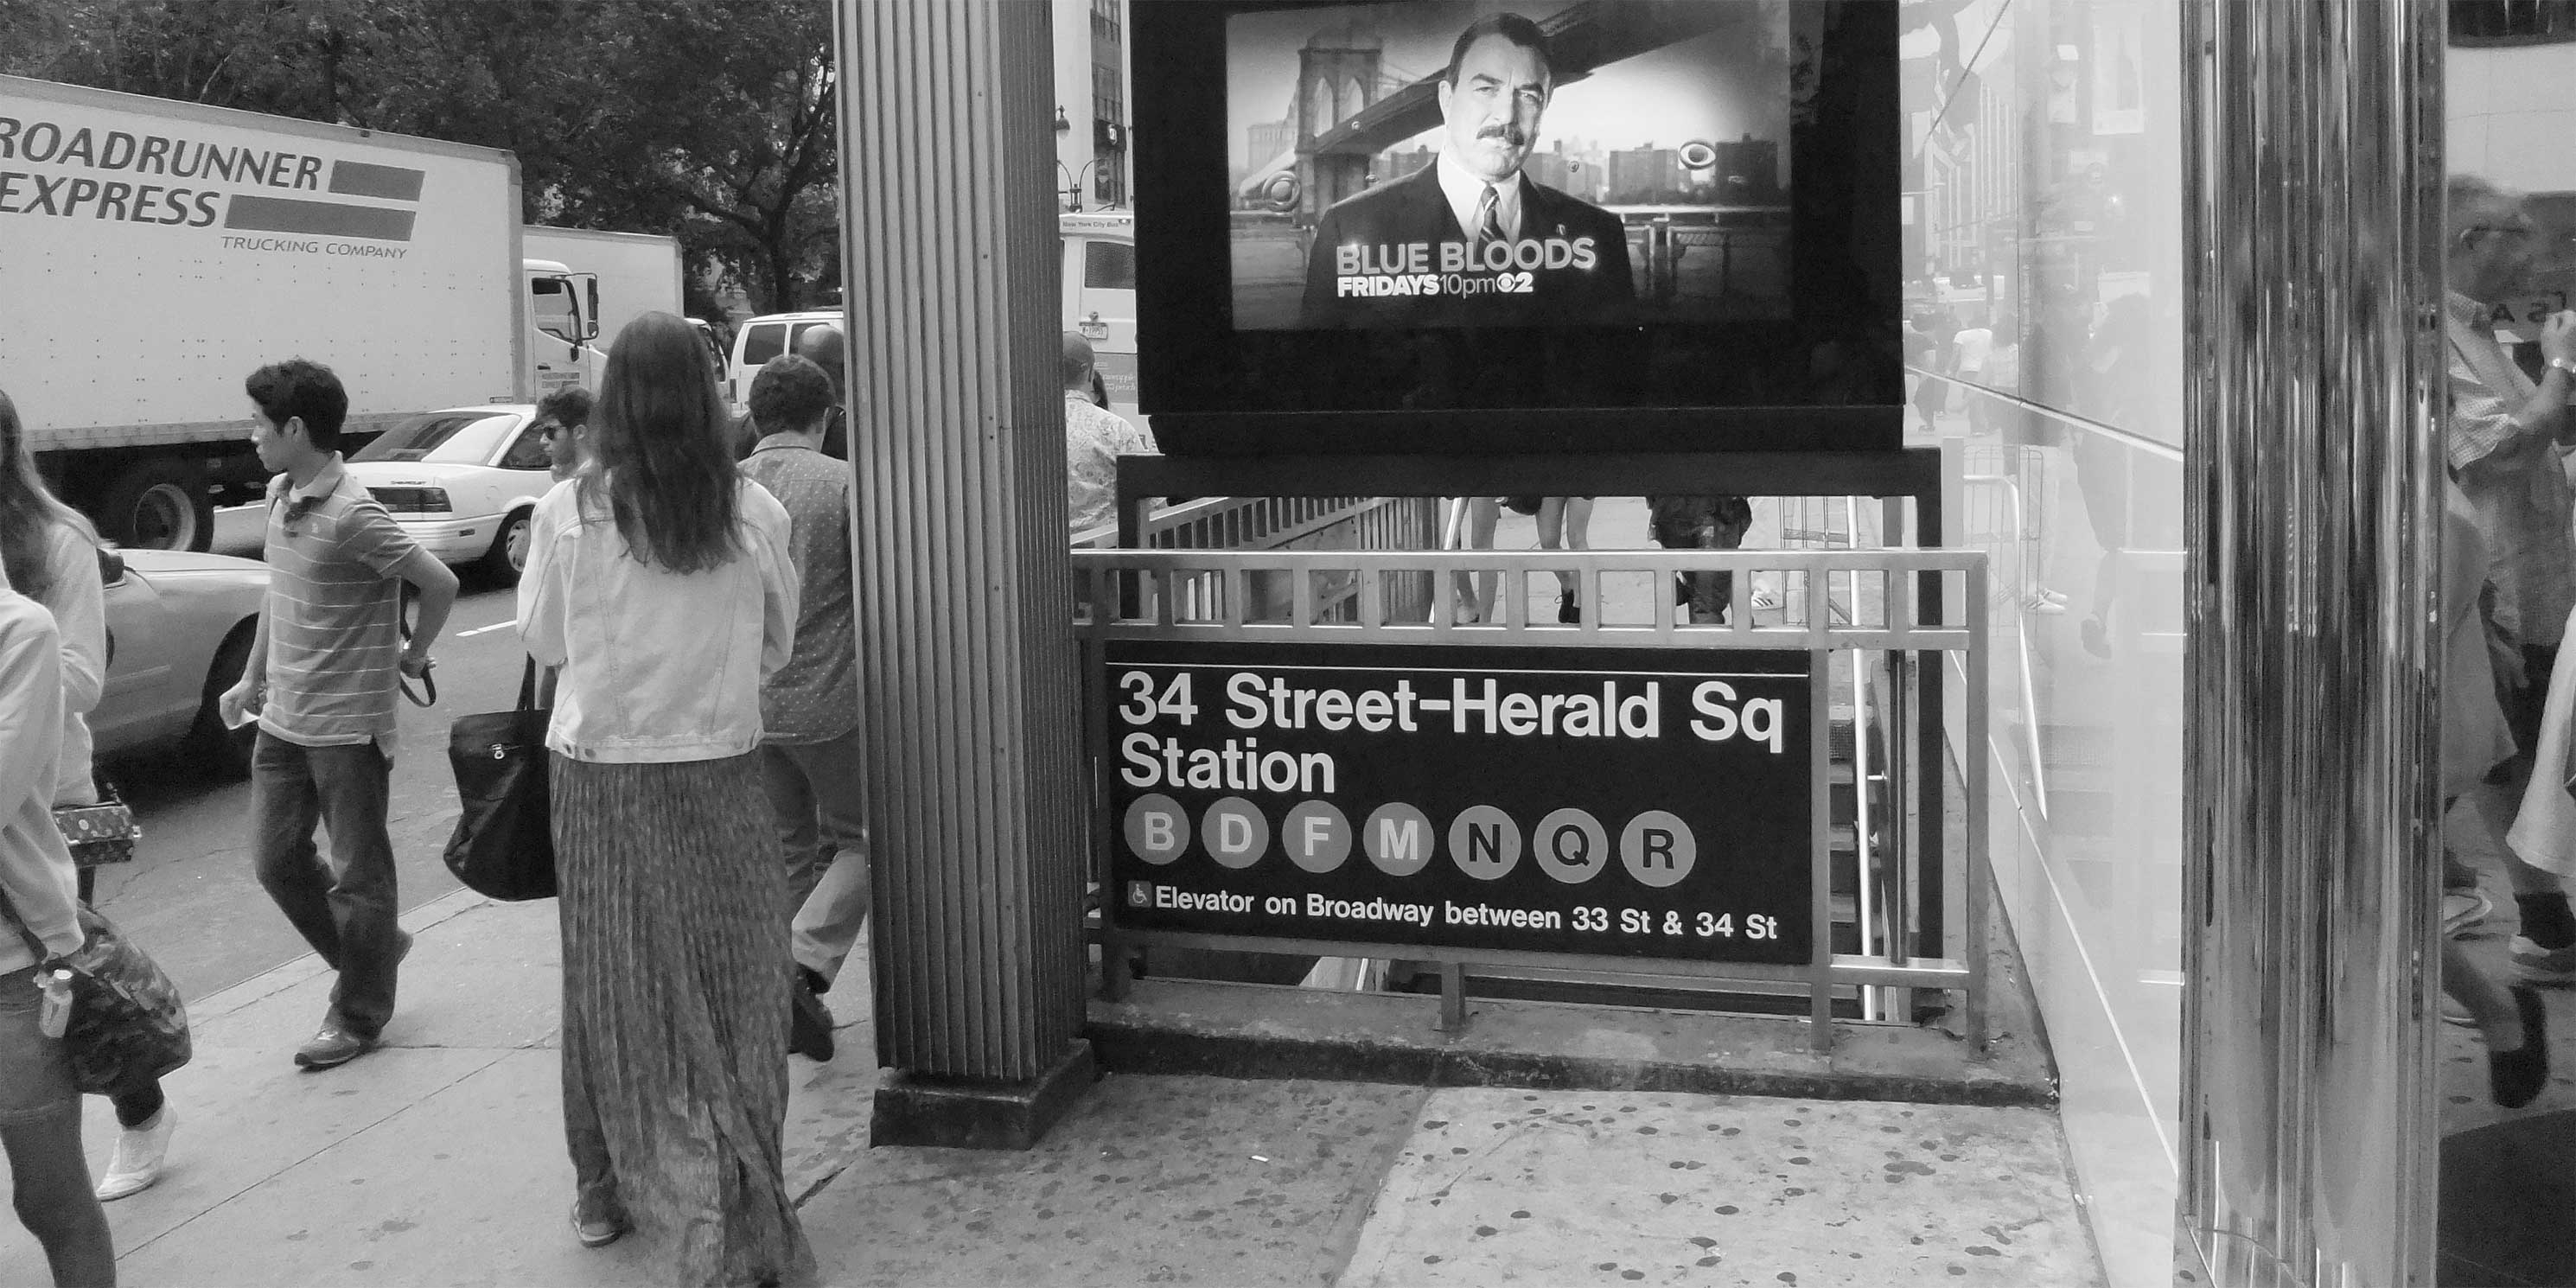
809	708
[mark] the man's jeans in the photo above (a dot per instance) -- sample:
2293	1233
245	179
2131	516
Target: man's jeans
345	909
814	790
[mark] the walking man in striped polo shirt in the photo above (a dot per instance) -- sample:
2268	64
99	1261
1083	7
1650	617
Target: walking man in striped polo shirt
322	677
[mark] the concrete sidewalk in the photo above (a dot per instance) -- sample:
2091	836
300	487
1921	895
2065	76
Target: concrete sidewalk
439	1160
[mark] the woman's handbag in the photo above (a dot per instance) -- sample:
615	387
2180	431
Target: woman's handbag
104	832
127	1024
504	846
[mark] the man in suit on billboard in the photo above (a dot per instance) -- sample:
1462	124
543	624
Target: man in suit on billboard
1470	240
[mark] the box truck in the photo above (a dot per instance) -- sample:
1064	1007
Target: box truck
154	253
638	273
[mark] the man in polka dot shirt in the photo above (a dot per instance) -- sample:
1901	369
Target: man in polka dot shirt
809	708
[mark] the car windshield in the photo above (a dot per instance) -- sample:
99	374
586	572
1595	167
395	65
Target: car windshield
466	437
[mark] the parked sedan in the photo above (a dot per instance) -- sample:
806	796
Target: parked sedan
179	629
462	482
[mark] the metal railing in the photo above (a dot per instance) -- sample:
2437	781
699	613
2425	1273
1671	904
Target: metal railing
1286	522
1184	595
1263	522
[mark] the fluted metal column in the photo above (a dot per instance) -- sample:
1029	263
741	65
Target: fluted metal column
2314	202
964	594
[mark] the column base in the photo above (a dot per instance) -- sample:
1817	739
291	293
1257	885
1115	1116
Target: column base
958	1113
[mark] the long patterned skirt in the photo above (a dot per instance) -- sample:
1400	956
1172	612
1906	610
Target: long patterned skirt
676	977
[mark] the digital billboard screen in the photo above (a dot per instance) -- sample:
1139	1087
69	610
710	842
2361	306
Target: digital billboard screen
1448	227
1457	165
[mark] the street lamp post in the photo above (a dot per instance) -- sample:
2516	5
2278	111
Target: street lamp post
1073	182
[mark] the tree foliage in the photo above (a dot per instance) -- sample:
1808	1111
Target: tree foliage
709	120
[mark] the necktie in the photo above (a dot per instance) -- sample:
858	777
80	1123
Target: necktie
1489	219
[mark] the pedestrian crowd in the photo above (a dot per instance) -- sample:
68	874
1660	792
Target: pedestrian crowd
2508	599
687	601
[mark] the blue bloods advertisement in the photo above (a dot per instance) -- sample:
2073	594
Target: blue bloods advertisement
1481	228
1437	165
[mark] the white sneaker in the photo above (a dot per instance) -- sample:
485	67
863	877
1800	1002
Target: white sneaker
2038	603
136	1164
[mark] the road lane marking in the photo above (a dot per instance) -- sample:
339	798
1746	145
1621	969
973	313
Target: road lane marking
486	630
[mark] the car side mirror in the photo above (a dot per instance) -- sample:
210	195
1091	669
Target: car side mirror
111	566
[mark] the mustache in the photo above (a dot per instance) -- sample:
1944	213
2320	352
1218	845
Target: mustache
1506	131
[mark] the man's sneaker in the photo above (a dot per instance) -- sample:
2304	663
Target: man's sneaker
136	1164
2533	964
332	1047
2464	911
809	1025
2516	1077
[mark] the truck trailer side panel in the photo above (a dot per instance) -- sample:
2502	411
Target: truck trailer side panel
158	252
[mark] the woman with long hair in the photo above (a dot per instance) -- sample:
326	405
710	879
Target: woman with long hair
659	581
51	553
40	1122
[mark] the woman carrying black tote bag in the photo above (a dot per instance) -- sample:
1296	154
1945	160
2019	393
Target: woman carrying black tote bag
502	847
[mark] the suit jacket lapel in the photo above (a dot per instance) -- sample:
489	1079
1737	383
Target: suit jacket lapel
1429	218
1540	214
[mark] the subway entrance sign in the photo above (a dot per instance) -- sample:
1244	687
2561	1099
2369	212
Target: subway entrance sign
1648	803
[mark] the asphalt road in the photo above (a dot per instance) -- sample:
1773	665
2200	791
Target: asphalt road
189	897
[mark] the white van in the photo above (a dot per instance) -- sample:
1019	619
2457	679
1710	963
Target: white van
1100	296
763	338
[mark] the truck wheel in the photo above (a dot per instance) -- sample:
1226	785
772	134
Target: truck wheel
224	752
508	556
160	504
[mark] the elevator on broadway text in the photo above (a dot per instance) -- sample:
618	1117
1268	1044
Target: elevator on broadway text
1703	924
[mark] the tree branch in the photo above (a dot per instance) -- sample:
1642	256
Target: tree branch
708	206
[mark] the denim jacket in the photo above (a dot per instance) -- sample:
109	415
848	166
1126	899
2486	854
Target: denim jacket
657	665
35	869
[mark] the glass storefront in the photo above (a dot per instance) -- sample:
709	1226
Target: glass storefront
2045	352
